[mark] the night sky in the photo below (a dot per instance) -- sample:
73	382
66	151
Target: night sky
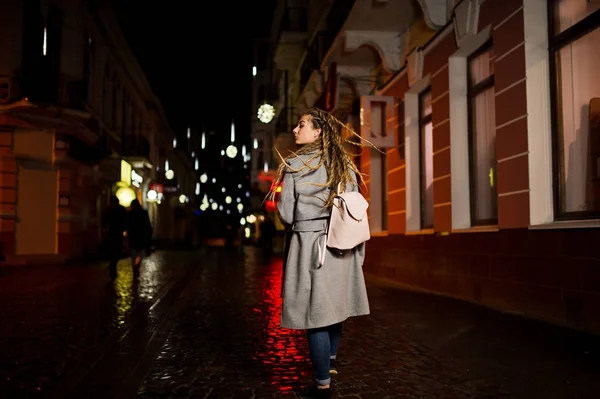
197	56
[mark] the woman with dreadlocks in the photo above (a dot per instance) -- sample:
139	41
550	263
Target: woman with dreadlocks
318	298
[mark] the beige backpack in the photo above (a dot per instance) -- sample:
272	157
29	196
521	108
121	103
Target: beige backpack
348	223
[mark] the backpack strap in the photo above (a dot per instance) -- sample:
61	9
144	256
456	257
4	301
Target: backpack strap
322	247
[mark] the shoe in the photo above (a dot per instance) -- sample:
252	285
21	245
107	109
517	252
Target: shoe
333	367
313	392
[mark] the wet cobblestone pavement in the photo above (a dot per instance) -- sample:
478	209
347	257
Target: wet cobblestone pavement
58	321
228	344
205	324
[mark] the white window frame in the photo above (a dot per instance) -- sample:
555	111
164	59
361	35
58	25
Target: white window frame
377	191
378	161
459	128
539	132
413	153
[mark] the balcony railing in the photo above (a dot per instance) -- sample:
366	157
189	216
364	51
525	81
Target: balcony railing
324	39
314	55
68	93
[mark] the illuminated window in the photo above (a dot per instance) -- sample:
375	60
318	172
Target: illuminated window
426	159
482	138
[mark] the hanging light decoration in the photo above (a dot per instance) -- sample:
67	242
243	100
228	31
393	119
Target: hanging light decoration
266	113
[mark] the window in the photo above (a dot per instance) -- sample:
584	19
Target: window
426	159
400	140
574	60
482	138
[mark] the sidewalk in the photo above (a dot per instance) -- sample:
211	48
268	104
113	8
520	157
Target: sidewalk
528	358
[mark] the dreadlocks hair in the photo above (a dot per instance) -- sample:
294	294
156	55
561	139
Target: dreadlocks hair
329	150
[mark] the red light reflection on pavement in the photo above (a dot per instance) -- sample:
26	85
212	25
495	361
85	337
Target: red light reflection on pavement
284	352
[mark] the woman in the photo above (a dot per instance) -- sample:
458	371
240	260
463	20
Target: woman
318	298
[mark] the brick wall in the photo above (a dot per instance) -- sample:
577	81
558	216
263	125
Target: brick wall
396	178
552	275
549	274
436	65
365	165
506	18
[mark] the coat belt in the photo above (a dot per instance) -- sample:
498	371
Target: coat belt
310	225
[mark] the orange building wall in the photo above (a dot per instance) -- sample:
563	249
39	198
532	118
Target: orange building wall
511	111
547	274
8	192
436	65
396	162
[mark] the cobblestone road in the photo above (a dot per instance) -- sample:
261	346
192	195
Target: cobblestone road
57	321
205	324
227	343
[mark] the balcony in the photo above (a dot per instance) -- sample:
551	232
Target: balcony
371	34
66	93
291	35
315	54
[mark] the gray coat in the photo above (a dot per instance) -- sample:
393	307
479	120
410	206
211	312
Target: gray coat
316	296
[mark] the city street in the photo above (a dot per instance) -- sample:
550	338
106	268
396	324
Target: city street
205	324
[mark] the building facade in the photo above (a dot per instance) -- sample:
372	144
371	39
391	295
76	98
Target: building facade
78	123
486	116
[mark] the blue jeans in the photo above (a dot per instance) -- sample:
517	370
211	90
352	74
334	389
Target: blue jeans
323	344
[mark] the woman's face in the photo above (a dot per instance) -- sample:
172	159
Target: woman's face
305	133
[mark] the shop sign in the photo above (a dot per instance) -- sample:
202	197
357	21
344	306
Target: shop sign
126	172
136	179
159	188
